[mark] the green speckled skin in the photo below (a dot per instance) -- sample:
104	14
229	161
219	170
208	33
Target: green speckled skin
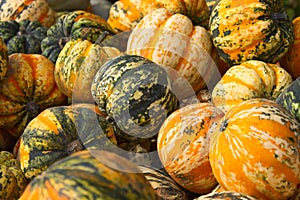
87	175
3	59
290	98
136	93
22	37
47	138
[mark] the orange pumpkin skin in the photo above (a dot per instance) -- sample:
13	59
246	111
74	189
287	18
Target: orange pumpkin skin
255	150
27	89
292	59
183	144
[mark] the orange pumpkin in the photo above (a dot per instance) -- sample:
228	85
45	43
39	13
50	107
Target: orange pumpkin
183	144
255	150
292	59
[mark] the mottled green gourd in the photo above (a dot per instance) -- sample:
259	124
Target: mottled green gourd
12	179
92	174
252	29
3	59
135	93
24	36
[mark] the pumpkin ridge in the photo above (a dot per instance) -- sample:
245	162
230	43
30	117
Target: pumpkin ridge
20	9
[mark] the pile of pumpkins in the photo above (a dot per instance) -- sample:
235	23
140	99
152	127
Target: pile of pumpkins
164	99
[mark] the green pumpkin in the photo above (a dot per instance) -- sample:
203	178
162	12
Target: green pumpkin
22	37
135	93
12	179
76	24
290	98
92	174
60	131
250	30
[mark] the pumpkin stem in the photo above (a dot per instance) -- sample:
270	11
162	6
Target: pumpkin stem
62	41
103	35
22	30
74	146
33	109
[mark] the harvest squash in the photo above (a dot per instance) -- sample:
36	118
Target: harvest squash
3	59
291	60
12	179
183	146
33	10
22	37
27	89
255	150
290	98
73	25
76	65
227	195
250	79
90	174
172	41
135	93
250	30
60	131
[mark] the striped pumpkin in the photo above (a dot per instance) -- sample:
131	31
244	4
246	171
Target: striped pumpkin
73	25
76	65
33	10
251	30
226	196
24	36
292	58
90	175
135	93
27	89
3	58
250	79
183	146
12	179
255	150
62	130
171	40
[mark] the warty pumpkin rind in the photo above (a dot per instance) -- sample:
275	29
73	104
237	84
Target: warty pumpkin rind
90	175
255	150
3	58
250	30
59	131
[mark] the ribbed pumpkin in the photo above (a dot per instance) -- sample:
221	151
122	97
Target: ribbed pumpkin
290	98
292	58
250	79
76	66
255	150
22	37
183	146
135	93
251	30
62	130
3	58
33	10
73	25
165	187
27	89
90	175
171	40
12	179
226	196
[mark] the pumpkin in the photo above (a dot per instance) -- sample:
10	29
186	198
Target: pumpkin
73	25
12	179
60	131
226	196
250	30
3	58
292	58
34	10
183	146
165	187
22	37
76	66
27	89
250	79
171	40
255	150
135	93
90	174
290	98
69	5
